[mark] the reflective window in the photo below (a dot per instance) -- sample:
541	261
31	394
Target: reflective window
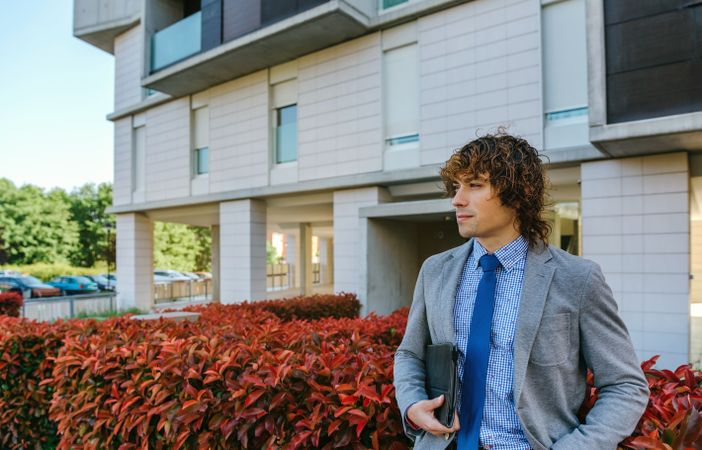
286	134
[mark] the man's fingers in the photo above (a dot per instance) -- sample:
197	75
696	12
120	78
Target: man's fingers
456	422
436	402
435	428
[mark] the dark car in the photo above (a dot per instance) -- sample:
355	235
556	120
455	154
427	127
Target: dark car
74	284
29	287
103	283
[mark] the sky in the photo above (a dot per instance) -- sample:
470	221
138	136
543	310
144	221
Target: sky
55	91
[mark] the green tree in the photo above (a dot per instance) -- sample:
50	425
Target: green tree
95	226
181	247
35	226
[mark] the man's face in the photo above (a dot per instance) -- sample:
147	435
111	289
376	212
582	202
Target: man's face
480	213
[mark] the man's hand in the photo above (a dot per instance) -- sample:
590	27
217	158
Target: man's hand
422	415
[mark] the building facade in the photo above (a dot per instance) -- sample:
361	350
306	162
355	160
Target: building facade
326	122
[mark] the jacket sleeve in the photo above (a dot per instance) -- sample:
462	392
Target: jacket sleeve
607	349
409	369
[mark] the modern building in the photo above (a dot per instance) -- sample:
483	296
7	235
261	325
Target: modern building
327	122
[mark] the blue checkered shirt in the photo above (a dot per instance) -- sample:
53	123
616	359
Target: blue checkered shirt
500	428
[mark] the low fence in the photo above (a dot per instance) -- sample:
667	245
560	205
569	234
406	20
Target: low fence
279	276
196	290
53	308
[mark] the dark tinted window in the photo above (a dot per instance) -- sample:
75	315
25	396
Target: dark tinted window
652	58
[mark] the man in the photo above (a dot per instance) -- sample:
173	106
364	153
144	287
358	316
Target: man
528	321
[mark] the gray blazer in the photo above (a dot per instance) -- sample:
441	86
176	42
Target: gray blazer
567	322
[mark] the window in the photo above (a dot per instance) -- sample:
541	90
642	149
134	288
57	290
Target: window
284	113
139	161
201	137
286	134
401	95
385	4
202	160
565	60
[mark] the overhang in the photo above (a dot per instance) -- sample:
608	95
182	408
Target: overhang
103	35
643	137
411	210
315	29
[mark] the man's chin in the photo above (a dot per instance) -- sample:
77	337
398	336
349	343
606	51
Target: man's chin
467	234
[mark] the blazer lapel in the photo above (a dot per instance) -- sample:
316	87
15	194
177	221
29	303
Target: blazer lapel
537	279
450	276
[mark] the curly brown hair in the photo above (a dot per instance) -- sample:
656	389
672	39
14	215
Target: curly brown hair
514	169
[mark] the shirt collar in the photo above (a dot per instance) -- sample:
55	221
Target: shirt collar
508	255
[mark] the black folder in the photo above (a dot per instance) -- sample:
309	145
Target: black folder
441	362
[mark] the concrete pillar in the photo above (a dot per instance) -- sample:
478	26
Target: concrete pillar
216	280
326	258
135	255
350	237
292	258
242	237
305	258
635	216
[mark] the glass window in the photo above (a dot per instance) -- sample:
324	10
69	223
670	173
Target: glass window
201	137
203	160
564	57
139	161
286	134
401	94
385	4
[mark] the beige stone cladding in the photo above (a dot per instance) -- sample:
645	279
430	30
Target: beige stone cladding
239	133
168	150
129	59
122	185
134	261
480	67
339	104
635	215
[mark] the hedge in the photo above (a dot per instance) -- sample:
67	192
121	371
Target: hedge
253	382
26	349
241	377
10	304
302	307
673	417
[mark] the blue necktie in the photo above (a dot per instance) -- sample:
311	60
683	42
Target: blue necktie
476	357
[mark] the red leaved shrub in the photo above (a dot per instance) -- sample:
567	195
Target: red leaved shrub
673	417
243	380
10	304
25	351
312	307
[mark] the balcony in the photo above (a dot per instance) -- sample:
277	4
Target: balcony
176	42
181	66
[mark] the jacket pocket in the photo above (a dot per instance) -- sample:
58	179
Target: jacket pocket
552	343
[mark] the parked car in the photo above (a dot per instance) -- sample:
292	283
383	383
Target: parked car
10	273
172	275
28	287
112	277
70	284
191	275
103	283
204	275
161	279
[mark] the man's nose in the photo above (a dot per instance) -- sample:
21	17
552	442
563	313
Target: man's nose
459	198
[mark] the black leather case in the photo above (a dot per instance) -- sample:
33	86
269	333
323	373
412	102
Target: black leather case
441	362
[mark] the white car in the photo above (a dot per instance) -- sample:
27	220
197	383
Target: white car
171	275
10	273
